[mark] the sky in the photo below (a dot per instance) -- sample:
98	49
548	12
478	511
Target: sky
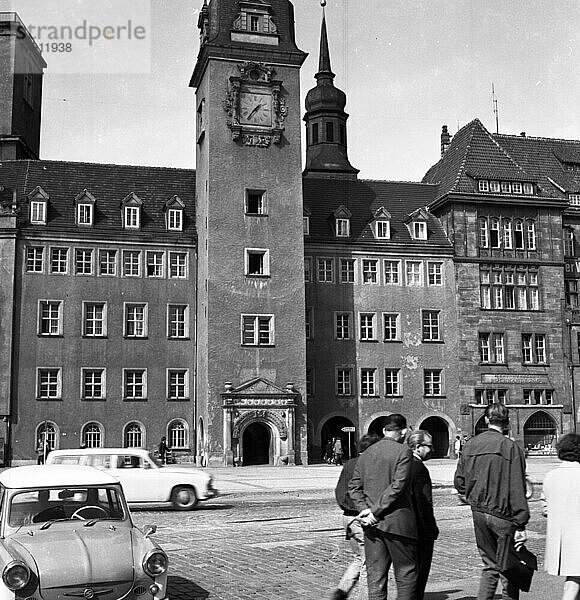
407	67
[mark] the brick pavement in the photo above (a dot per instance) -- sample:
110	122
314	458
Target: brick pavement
290	545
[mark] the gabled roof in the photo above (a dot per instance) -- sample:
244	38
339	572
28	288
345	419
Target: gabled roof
363	198
109	185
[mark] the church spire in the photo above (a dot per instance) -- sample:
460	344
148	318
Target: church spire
326	149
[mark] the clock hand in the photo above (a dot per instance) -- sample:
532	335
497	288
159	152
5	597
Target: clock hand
254	110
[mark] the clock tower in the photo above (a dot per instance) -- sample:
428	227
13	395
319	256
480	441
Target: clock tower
250	322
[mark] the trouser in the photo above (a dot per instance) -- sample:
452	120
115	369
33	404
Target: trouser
383	549
424	558
488	530
356	570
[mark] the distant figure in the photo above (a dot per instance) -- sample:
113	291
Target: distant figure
162	450
457	446
328	451
40	451
337	451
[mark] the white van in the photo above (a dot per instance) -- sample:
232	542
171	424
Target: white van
144	479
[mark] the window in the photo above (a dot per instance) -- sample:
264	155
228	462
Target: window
414	273
135	320
431	329
255	202
568	242
483	185
257	262
92	435
382	230
435	273
571	291
392	382
134	384
489	396
34	259
254	23
507	234
367	327
370	271
49	317
347	270
46	431
178	265
491	348
343	381
133	436
177	434
84	214
531	235
483	234
534	348
392	276
516	187
48	384
343	326
309	323
132	216
494	236
84	261
306	225
93	384
519	235
528	189
314	138
175	219
94	319
575	199
132	263
177	384
257	330
107	262
342	227
329	131
538	396
309	381
38	212
391	327
177	321
419	230
509	288
506	188
494	187
495	232
59	260
307	270
155	263
433	382
325	270
28	85
367	382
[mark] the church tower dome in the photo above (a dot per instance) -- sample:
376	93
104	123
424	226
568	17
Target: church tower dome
326	149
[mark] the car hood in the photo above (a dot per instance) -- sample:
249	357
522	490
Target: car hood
79	555
184	470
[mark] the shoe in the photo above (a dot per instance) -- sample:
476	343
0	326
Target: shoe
338	594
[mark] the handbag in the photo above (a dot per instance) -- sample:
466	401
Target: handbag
517	565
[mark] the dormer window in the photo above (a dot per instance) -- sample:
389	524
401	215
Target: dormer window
382	224
38	206
419	230
131	212
516	187
254	24
174	208
483	185
342	222
85	208
575	200
494	187
529	189
306	221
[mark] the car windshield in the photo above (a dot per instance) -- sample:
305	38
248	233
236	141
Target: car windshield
43	505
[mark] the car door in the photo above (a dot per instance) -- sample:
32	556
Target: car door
135	476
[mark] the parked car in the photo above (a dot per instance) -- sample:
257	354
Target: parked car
144	479
67	532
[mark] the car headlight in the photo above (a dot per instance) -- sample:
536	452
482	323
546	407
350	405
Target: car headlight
16	575
155	563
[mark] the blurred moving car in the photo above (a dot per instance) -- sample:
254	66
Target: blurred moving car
67	532
144	478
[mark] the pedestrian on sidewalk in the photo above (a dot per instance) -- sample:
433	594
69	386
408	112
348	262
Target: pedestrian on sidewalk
356	571
380	489
421	444
337	451
491	476
562	507
162	450
457	446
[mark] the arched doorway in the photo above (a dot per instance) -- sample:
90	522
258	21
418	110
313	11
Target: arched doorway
439	431
256	444
376	426
333	428
540	434
480	426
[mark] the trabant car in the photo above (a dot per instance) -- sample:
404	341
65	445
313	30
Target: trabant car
144	478
66	532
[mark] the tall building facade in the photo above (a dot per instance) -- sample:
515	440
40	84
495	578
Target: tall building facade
254	308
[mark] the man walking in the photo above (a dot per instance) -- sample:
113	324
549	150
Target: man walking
491	475
380	490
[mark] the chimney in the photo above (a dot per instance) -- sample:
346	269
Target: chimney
523	134
445	139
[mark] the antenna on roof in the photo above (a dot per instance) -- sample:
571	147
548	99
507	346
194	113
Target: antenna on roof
495	111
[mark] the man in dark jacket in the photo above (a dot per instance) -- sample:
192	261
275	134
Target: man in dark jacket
380	490
491	475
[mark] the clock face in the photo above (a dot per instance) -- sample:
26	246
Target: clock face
256	109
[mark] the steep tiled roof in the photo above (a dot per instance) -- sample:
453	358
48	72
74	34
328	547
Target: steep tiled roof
109	184
362	198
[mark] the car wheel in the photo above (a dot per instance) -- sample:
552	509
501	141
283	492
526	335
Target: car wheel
184	498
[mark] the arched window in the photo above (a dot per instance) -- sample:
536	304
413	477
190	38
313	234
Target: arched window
494	233
92	435
133	436
519	235
48	429
178	434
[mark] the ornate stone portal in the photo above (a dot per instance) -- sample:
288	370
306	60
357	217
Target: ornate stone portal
260	401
